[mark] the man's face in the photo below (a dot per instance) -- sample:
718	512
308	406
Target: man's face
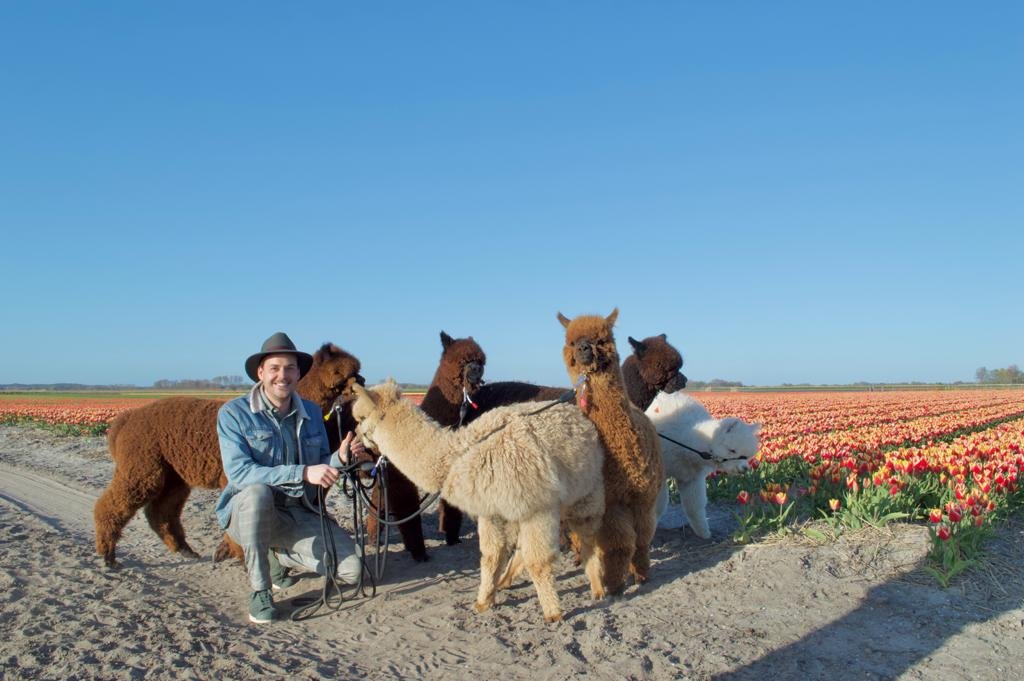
278	374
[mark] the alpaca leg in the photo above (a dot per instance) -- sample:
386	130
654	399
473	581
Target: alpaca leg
403	497
644	523
494	554
661	505
538	543
584	521
616	542
164	514
512	572
228	549
449	519
117	505
694	497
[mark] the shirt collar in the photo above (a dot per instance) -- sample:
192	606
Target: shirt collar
258	402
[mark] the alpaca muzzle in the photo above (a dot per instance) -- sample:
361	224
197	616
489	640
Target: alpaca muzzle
473	376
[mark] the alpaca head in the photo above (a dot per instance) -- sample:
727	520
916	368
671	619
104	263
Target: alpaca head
370	406
659	363
589	344
733	443
336	370
462	365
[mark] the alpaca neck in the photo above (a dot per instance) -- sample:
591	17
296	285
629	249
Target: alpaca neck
421	449
311	388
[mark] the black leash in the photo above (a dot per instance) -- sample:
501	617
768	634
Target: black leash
704	455
352	485
332	596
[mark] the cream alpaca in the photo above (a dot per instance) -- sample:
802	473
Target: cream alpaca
730	442
518	472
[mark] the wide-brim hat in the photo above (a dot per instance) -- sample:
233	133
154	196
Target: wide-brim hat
277	344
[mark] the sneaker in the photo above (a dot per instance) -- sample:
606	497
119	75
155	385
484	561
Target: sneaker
279	577
261	607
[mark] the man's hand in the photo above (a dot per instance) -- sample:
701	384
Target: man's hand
352	449
320	474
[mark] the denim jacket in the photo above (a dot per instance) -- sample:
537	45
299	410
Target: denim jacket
252	448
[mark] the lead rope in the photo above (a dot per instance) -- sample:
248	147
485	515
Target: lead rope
332	597
357	493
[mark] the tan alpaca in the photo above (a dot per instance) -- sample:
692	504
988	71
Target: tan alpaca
632	464
517	472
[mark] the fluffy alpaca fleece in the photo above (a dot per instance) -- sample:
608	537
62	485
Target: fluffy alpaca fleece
517	469
632	466
652	368
164	449
730	442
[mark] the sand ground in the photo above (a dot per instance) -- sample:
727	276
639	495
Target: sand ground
857	608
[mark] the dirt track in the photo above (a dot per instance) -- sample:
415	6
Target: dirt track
786	609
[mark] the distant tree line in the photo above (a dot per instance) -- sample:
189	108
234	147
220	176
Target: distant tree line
713	383
215	383
1010	374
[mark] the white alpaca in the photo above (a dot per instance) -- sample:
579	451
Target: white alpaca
729	442
519	469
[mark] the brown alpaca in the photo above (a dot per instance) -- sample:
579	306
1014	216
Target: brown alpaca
632	466
164	449
461	367
652	368
460	374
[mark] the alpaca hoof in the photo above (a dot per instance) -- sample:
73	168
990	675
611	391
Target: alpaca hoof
481	607
597	594
420	556
452	541
557	617
189	553
616	591
110	563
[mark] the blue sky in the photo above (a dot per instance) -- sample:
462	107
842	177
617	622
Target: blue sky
793	192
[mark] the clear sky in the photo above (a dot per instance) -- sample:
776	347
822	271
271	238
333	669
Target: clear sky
792	191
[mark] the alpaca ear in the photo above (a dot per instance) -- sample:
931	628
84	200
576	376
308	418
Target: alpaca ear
732	424
565	320
663	337
446	340
638	347
755	428
363	393
612	317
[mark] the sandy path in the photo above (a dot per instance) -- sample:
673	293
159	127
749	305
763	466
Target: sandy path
856	608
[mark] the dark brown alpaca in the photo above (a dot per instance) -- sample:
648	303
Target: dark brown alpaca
457	394
652	368
164	449
632	467
459	374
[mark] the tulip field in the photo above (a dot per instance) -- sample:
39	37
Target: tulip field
950	458
953	459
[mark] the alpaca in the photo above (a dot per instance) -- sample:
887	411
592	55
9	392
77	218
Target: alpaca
459	374
518	469
457	395
163	449
633	471
652	368
730	443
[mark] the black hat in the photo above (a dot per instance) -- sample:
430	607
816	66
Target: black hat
277	344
